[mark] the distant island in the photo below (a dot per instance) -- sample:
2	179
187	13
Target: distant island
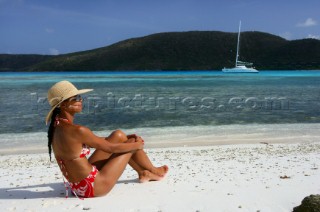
194	50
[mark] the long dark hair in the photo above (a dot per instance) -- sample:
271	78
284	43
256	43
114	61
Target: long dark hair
55	112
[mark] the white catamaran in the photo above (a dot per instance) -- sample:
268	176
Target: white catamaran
241	67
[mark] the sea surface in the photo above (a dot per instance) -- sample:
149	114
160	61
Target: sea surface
133	100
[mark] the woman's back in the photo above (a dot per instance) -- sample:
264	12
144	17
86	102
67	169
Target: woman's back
70	152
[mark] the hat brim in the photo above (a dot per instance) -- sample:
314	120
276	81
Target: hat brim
82	91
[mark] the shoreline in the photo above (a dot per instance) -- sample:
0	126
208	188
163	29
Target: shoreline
168	137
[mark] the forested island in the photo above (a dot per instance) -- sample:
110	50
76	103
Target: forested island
194	50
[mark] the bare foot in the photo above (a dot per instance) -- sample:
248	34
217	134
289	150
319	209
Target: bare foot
146	176
160	171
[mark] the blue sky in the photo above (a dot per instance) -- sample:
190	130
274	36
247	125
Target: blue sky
64	26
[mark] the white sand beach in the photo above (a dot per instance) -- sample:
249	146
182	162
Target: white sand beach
248	174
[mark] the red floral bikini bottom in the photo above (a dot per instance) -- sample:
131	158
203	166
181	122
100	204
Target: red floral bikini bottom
84	188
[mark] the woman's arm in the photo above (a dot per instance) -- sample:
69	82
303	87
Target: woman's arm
86	136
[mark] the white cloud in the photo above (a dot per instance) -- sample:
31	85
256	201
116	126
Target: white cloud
307	23
53	51
314	36
286	35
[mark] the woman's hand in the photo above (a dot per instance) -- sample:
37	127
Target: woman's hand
132	136
131	140
136	139
139	143
84	134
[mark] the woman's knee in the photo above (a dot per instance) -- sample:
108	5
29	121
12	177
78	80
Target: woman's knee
118	136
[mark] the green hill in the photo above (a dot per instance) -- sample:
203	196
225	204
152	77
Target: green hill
16	62
195	50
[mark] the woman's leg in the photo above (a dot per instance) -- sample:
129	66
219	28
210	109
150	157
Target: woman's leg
113	165
139	160
110	173
99	157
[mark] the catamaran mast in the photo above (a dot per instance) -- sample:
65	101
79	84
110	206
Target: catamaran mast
238	44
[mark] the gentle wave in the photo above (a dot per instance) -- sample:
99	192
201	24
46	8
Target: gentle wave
18	143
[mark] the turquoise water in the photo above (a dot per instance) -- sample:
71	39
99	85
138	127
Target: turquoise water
164	99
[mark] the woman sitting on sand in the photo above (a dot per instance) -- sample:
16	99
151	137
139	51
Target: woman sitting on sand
97	175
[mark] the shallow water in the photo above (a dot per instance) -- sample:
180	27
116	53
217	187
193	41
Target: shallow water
162	99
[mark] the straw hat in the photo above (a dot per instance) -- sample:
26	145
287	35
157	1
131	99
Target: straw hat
61	91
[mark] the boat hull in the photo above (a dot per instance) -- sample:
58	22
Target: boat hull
240	70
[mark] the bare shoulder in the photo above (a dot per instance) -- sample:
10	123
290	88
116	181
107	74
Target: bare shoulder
83	133
86	136
82	130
